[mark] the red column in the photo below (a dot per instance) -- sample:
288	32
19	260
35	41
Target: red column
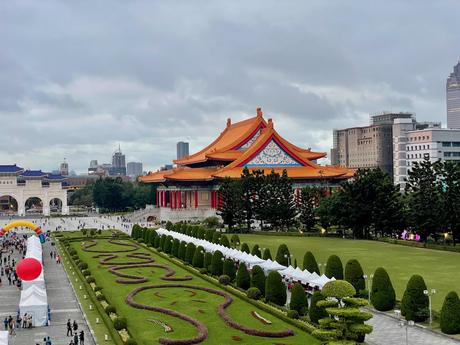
179	197
196	199
171	199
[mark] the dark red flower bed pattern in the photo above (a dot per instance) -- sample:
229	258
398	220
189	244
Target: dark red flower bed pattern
92	243
133	279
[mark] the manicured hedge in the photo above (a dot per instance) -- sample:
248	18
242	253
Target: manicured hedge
267	254
275	290
310	264
450	314
298	299
190	252
243	279
198	257
316	313
283	254
256	251
216	263
414	304
354	275
383	296
258	278
334	267
229	269
245	248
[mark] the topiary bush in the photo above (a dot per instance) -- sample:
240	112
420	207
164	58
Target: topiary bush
216	263
167	245
100	297
414	304
207	261
86	273
224	279
266	254
310	264
316	313
339	289
175	248
450	314
299	301
110	309
283	254
354	275
182	250
229	269
293	314
334	267
209	235
224	241
198	257
256	251
216	237
383	296
254	293
245	248
90	279
72	252
120	323
243	279
258	279
82	265
235	240
275	290
190	252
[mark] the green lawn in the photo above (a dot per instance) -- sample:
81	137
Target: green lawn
197	304
440	269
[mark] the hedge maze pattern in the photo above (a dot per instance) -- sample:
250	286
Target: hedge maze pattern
144	260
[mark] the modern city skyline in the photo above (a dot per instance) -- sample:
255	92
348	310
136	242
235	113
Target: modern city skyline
134	169
453	98
182	149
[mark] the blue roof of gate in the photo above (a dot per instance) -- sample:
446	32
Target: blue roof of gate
33	173
55	177
12	168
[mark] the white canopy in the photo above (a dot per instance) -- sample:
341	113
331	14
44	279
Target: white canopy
34	301
38	282
3	338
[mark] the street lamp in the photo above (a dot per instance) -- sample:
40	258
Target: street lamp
429	294
288	257
405	324
368	280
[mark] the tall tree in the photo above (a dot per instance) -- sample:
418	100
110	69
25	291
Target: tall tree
230	207
424	198
307	203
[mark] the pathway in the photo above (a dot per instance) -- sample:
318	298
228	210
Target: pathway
61	300
387	331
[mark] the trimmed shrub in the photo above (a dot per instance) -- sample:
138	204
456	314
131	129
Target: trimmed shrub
354	275
162	241
86	273
157	244
450	314
82	265
182	250
120	323
299	301
229	269
310	264
243	279
224	279
216	263
100	297
235	240
224	241
266	254
256	251
110	309
258	279
383	295
167	246
191	248
72	251
316	313
175	248
275	290
207	261
245	248
209	235
90	279
97	288
254	293
152	235
338	289
293	314
216	237
169	225
334	267
282	255
203	270
198	257
414	304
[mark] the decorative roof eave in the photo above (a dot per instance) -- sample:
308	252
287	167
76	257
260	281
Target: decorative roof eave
256	123
12	169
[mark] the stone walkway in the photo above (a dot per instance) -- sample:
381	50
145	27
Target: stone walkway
387	331
61	300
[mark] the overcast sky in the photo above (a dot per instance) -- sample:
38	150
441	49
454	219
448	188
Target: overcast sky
79	77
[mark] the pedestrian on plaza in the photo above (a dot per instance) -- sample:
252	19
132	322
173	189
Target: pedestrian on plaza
6	322
71	342
24	320
82	338
75	326
69	328
75	339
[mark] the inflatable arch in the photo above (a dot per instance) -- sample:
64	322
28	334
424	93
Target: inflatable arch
26	224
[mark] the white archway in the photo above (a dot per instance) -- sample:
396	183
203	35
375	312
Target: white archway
56	206
34	205
8	204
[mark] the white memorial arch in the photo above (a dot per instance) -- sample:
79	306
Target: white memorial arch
45	192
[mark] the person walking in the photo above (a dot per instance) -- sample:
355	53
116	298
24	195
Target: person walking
75	339
75	327
69	328
82	338
6	322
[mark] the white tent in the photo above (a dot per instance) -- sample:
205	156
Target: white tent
38	282
34	301
3	338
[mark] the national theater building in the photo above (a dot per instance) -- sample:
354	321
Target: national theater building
189	192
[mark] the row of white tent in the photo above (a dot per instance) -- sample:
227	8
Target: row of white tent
290	273
34	299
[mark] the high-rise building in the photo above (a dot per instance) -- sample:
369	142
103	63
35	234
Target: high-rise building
134	169
453	98
367	147
64	168
118	164
182	149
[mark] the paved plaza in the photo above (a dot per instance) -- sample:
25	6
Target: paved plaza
62	302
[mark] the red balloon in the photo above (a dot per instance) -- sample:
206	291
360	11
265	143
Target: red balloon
28	269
